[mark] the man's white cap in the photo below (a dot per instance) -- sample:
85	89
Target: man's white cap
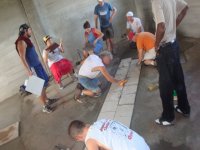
129	14
100	0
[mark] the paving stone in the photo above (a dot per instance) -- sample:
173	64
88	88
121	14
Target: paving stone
134	71
127	99
124	111
115	88
125	63
109	106
106	115
122	71
113	96
124	120
129	89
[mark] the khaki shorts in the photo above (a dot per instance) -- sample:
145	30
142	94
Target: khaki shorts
150	54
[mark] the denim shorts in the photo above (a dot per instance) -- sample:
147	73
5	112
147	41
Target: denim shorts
90	84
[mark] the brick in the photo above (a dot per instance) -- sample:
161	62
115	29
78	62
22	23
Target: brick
124	120
129	89
109	106
106	115
127	99
113	96
124	111
115	88
125	62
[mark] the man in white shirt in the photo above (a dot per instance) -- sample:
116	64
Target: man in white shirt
133	23
107	135
168	14
90	69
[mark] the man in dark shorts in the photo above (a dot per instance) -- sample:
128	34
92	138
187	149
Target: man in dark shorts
31	62
105	12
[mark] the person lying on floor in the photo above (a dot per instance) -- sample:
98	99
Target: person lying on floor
58	65
90	69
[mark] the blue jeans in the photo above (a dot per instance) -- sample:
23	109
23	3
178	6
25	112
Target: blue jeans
41	73
171	78
90	84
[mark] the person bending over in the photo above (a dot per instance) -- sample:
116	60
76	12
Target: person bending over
145	42
90	69
106	135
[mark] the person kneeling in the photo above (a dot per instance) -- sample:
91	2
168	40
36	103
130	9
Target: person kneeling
145	42
90	69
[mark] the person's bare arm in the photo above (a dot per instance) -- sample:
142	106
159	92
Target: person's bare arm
159	34
105	74
61	46
114	11
181	15
139	29
21	46
92	145
45	57
140	55
96	21
100	35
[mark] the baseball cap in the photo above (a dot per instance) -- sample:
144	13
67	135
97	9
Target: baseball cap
100	0
129	14
46	38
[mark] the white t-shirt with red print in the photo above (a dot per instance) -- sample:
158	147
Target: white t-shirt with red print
115	136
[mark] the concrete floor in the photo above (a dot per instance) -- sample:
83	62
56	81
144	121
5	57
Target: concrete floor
44	131
41	131
185	134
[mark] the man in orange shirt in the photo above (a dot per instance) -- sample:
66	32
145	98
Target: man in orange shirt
145	42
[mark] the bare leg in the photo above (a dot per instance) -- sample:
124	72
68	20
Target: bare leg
90	93
43	96
108	45
111	44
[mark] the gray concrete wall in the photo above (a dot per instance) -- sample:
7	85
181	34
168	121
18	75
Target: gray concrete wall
11	74
190	25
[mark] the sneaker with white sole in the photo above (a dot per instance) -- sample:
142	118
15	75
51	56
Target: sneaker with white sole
178	110
47	109
50	101
162	122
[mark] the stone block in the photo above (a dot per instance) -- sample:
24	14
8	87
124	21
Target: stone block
127	99
113	96
124	111
106	115
109	106
115	88
124	120
125	62
129	89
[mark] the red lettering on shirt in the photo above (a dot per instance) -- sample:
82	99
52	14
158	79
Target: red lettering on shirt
130	136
